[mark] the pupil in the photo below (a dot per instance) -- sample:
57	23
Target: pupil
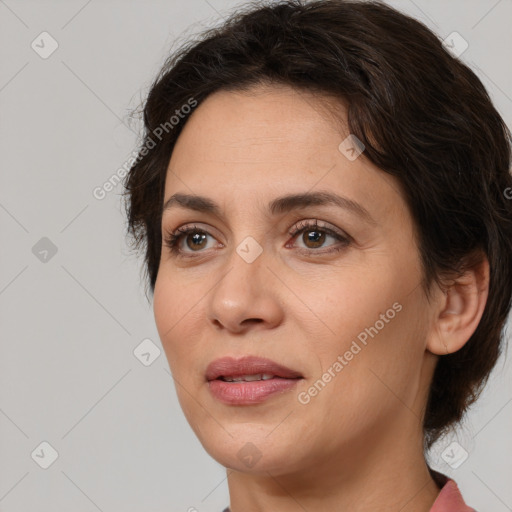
317	238
197	239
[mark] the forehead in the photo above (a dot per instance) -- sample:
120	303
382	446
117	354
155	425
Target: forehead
264	121
267	140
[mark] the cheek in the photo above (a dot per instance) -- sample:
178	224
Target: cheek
381	361
346	300
375	321
172	311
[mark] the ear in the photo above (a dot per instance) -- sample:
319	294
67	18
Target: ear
460	308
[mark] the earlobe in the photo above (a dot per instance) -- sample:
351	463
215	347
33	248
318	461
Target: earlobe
460	309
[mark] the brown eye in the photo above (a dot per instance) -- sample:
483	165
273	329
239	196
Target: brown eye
195	240
314	237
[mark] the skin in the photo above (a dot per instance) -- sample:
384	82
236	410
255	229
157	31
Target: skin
357	445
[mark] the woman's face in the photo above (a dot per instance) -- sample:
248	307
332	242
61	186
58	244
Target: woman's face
347	314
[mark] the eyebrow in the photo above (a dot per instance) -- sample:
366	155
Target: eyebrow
277	206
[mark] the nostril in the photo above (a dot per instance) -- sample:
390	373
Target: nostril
255	320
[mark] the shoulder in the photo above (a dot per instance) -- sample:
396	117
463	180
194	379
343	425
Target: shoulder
449	498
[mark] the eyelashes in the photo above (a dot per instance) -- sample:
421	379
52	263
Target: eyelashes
173	239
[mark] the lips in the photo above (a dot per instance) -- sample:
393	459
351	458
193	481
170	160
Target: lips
249	380
227	368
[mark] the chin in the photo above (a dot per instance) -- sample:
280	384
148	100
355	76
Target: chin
250	450
250	459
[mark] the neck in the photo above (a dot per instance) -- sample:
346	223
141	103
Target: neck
361	477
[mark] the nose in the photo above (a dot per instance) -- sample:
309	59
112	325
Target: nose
247	294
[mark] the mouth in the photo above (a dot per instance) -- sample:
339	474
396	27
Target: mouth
248	368
249	380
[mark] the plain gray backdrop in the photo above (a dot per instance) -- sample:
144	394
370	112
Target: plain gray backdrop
89	419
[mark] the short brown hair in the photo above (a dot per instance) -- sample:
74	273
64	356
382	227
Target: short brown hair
423	116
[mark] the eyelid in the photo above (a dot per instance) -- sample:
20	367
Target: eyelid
315	224
199	226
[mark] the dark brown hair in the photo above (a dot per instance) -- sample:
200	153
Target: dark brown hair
423	116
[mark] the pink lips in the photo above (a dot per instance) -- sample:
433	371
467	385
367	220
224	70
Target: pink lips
253	392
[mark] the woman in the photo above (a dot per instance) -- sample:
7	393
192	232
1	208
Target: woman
321	195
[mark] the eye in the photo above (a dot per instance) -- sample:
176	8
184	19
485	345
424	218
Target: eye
194	237
314	236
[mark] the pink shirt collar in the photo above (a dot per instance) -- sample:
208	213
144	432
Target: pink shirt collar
449	498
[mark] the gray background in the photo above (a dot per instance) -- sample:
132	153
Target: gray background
70	321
